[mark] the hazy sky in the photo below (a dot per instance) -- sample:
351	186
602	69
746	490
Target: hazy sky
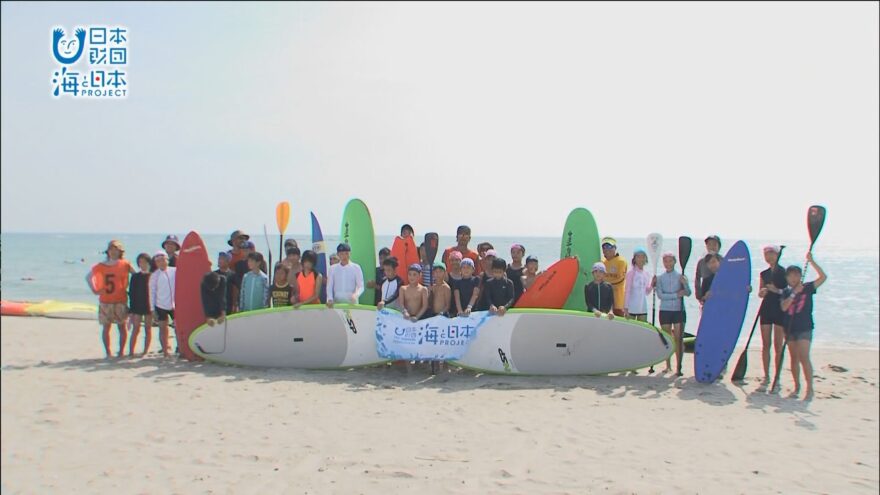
679	118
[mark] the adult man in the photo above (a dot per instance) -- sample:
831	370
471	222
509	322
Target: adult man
345	280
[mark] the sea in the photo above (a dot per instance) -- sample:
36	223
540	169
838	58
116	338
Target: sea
37	267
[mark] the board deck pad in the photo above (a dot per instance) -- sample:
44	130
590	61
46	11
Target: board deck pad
559	342
723	314
192	265
552	287
320	249
580	238
311	337
357	231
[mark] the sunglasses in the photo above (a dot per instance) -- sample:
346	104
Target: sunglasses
608	246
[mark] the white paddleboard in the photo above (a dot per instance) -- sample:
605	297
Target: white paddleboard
560	342
311	337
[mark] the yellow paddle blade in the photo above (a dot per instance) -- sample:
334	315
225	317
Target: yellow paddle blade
282	215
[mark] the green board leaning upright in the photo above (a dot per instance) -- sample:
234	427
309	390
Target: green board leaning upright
357	231
580	238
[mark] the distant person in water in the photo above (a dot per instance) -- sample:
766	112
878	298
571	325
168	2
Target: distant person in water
440	295
467	289
797	303
712	262
345	280
109	281
213	291
254	285
530	273
770	286
171	245
672	287
515	269
498	289
391	284
139	304
309	281
233	285
615	273
713	246
162	283
414	295
384	253
281	293
462	239
639	284
599	294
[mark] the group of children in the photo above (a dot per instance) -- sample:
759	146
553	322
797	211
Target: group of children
461	282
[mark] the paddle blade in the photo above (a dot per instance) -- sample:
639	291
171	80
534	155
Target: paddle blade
815	222
655	245
685	244
282	215
740	371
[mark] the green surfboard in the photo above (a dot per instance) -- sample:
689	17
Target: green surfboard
580	238
357	231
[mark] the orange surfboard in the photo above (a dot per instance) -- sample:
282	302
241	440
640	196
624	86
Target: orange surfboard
406	252
192	265
552	287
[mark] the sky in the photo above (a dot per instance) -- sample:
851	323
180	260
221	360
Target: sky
679	118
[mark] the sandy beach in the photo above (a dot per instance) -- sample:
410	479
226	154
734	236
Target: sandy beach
73	422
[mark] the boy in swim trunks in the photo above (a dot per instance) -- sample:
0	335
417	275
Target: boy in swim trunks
109	281
414	294
797	304
530	273
615	273
440	292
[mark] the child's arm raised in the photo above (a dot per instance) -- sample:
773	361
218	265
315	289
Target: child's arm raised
822	277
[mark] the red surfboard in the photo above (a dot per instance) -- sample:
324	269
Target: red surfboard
407	253
552	287
192	265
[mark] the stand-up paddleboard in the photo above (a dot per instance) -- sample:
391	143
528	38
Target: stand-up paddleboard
723	314
432	245
192	265
64	310
552	287
406	252
580	238
357	231
559	342
311	337
320	249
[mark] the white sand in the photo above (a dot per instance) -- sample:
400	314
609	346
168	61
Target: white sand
75	423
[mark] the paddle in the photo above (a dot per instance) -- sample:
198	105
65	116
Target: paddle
685	244
282	217
655	245
815	222
739	373
432	241
268	248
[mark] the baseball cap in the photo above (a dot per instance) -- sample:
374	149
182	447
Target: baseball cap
343	247
439	266
415	267
455	255
599	267
639	249
467	262
531	258
609	241
668	254
518	246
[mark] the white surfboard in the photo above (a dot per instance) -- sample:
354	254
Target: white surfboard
560	342
311	337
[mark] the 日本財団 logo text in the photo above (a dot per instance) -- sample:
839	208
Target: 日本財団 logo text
93	67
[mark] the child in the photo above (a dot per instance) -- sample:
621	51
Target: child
598	294
772	283
391	283
615	273
713	246
139	304
440	292
671	288
712	261
427	269
281	293
109	281
462	238
531	273
638	285
484	266
345	280
406	230
171	246
309	281
467	289
453	267
797	303
293	265
213	290
334	259
232	282
384	253
498	290
254	285
241	266
515	269
414	294
162	296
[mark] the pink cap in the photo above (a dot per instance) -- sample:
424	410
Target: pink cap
455	255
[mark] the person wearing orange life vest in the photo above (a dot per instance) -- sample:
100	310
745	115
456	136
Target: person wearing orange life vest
309	281
615	273
109	281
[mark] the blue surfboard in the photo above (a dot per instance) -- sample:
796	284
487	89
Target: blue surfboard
320	249
723	314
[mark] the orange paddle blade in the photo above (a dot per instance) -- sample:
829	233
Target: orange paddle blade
282	215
